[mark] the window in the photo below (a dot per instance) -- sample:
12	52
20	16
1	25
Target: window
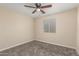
50	25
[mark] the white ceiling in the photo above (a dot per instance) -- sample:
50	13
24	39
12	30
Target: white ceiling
56	8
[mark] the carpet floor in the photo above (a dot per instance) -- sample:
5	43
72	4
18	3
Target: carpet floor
37	48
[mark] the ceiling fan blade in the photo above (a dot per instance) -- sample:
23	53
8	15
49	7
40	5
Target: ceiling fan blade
47	6
36	4
42	11
34	11
29	6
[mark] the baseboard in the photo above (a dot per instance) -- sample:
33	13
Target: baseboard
15	45
57	44
33	40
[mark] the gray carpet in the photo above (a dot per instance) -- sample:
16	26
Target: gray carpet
37	48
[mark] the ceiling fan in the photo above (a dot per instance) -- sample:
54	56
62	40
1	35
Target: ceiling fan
38	7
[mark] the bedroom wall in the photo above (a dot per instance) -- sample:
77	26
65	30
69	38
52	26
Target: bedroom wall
65	29
15	28
78	30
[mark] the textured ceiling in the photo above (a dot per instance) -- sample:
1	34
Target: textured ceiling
56	8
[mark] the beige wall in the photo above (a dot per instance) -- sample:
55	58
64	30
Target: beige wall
78	30
15	28
65	29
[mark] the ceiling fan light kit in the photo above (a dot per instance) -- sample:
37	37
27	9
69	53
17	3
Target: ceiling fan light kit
38	7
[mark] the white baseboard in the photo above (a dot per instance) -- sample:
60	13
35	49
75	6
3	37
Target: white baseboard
32	40
57	44
15	45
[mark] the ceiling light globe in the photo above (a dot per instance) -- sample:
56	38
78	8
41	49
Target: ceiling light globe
38	9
